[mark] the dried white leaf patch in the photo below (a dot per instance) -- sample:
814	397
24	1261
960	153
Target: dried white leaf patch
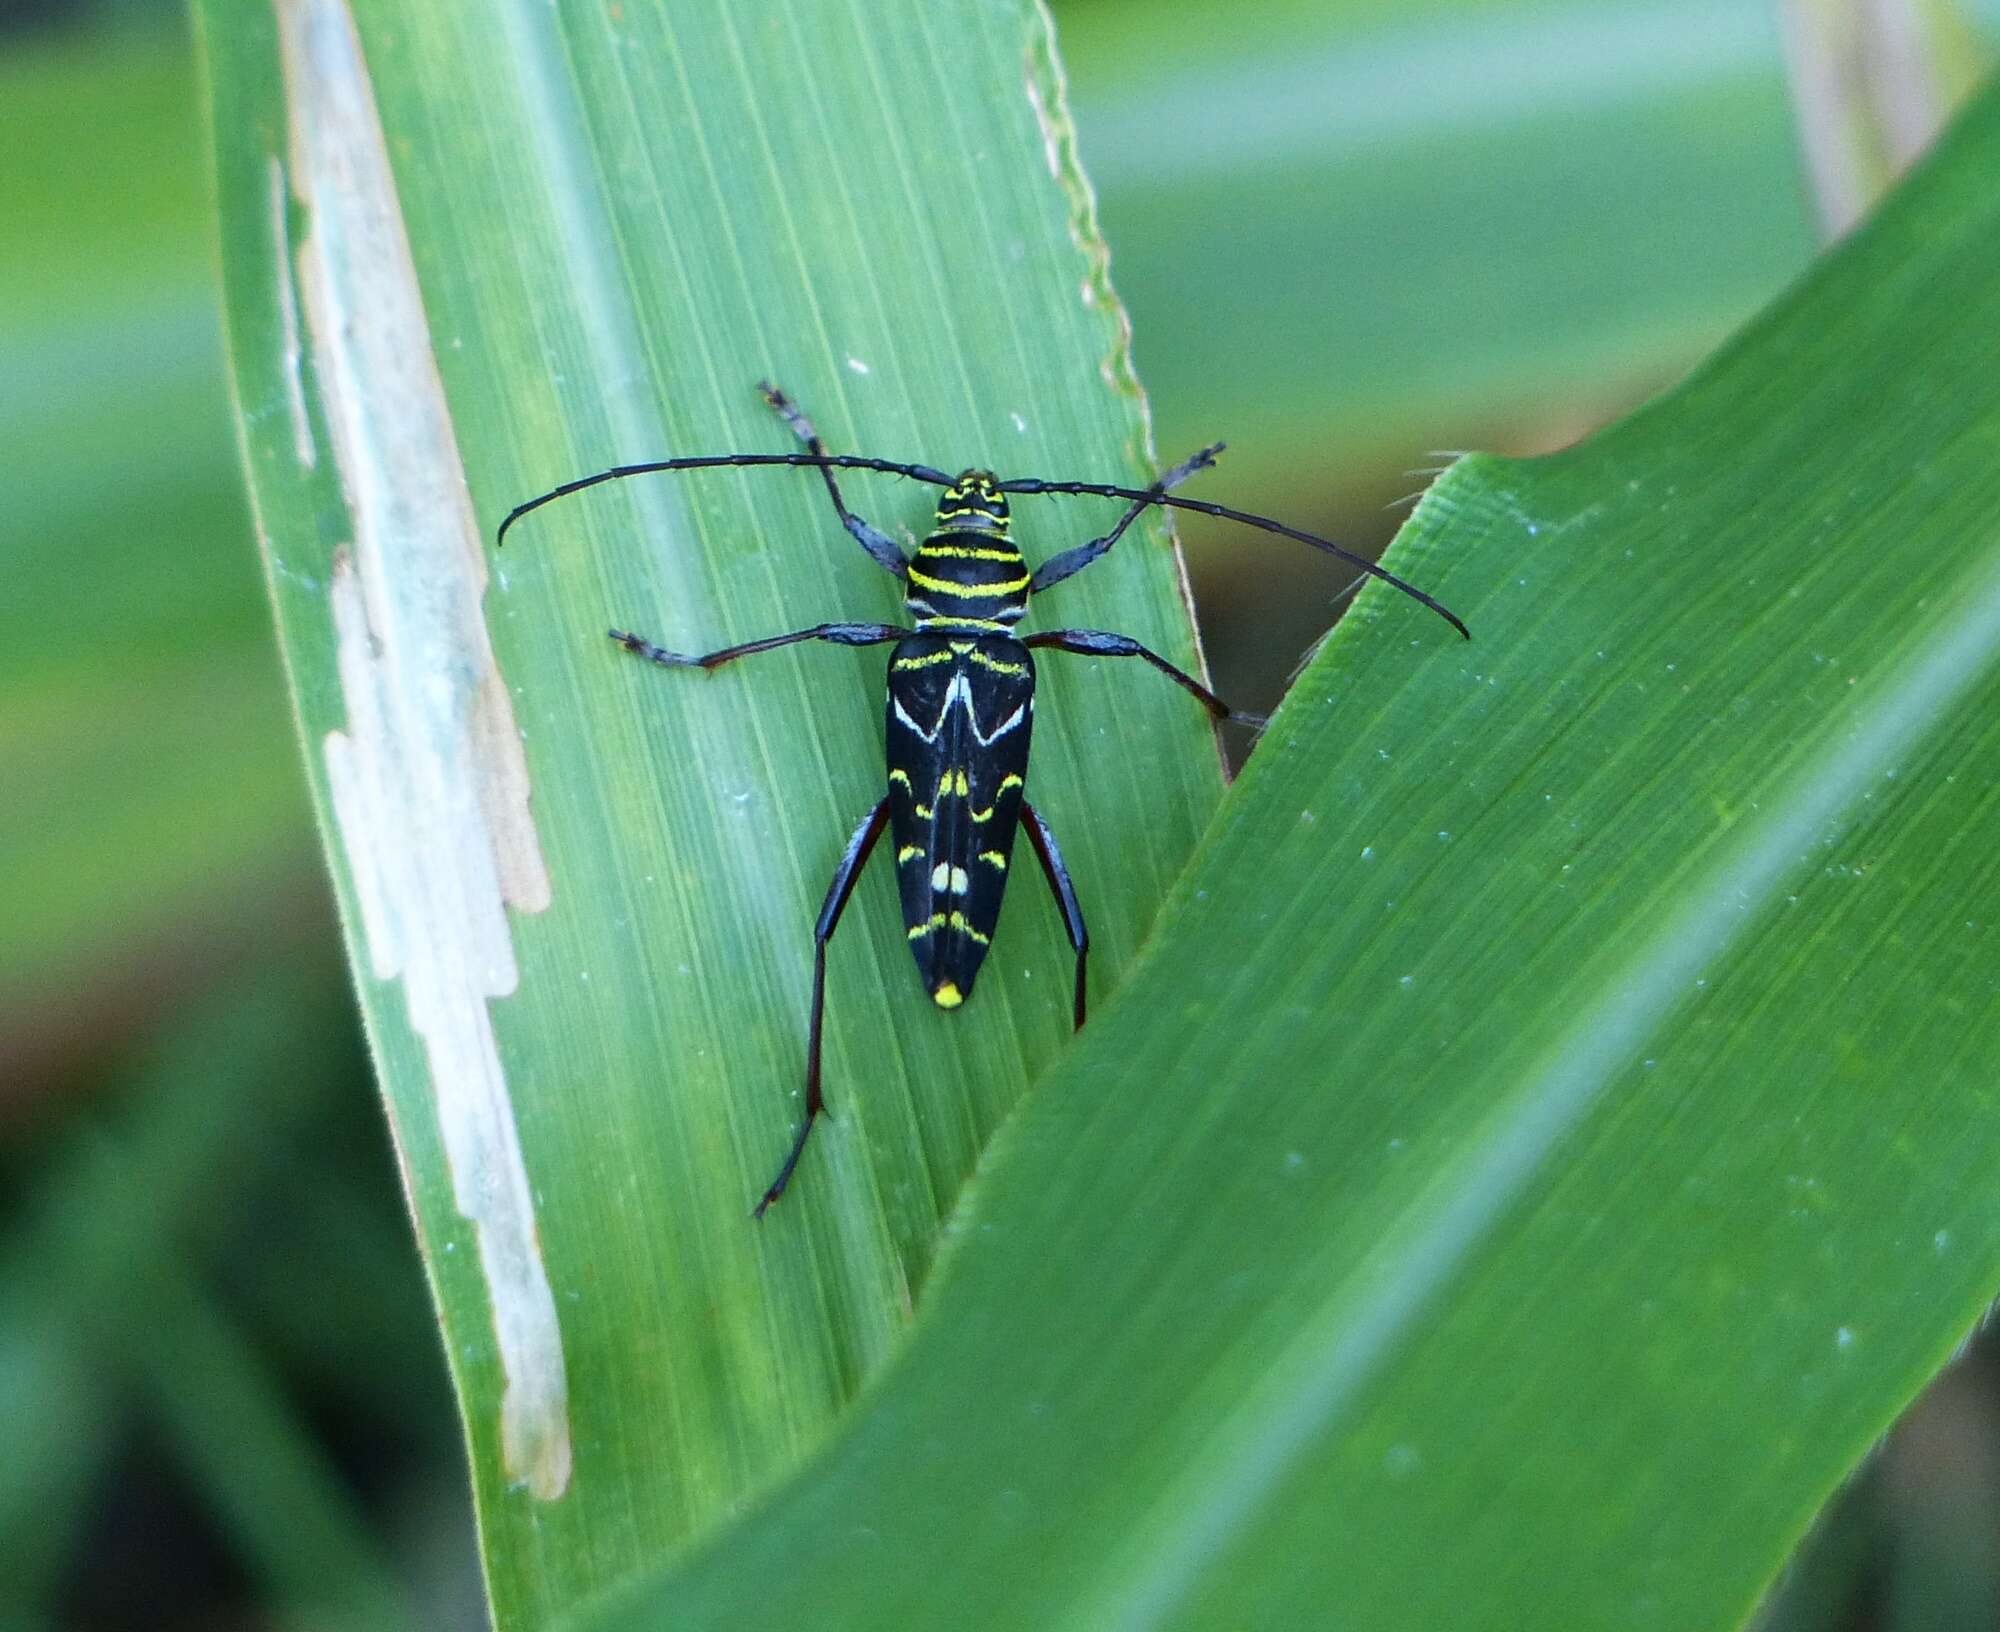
429	784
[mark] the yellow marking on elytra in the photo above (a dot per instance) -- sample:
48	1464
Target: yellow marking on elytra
1008	781
993	858
923	813
951	920
963	552
968	592
928	660
953	782
996	665
909	852
958	921
948	996
937	920
902	777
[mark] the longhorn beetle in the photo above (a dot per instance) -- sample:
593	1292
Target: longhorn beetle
961	703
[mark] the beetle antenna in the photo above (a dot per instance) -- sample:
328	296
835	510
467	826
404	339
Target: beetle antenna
1034	484
819	461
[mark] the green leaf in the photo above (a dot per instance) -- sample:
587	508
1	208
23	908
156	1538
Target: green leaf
1550	1132
105	1273
1352	231
136	673
579	891
1429	221
233	1430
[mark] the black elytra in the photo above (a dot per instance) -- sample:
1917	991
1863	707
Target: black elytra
961	704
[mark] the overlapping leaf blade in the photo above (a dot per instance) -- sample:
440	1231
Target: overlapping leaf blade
1552	1131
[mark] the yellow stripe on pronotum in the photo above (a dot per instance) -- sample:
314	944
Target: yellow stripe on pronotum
973	591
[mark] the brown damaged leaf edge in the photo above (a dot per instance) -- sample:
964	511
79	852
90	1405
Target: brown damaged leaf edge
428	781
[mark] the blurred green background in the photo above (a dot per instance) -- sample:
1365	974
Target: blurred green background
1353	236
